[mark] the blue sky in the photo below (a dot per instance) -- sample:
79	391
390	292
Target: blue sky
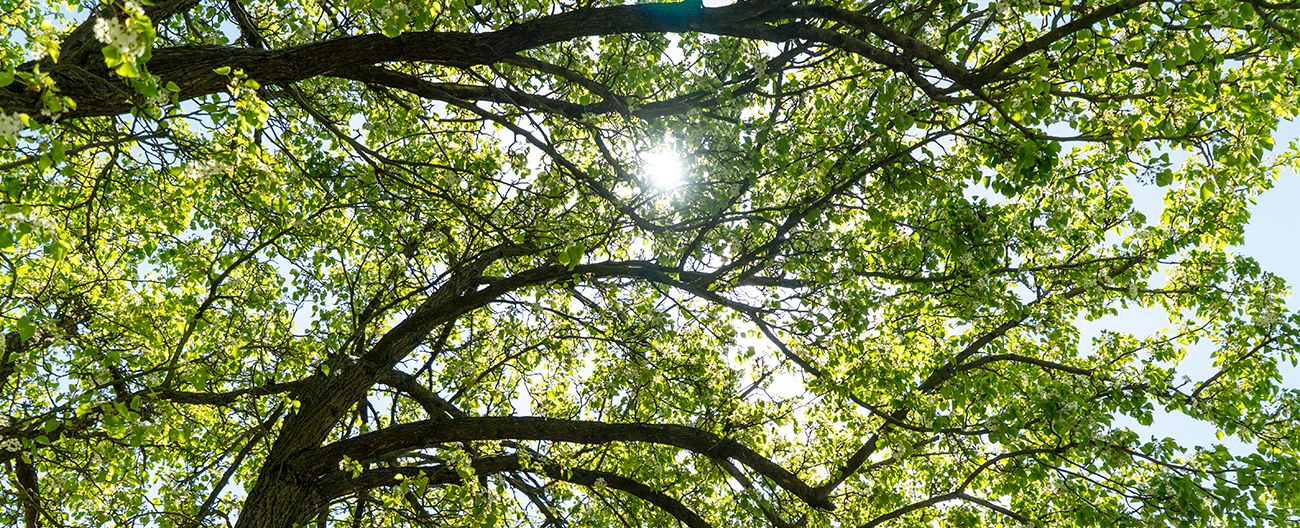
1273	240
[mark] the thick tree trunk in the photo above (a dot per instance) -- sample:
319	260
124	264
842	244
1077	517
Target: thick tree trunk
276	503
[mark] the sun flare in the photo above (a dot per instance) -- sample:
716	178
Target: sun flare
662	168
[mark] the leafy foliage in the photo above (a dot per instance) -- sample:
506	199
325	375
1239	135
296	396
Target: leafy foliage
283	262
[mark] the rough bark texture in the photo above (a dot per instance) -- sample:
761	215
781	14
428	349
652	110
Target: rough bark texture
98	93
340	483
428	432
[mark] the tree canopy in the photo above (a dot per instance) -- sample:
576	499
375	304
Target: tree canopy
425	263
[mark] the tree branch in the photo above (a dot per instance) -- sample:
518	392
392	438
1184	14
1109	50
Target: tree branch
440	430
338	483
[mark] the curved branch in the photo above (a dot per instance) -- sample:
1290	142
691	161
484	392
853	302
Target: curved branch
911	508
338	483
222	398
191	68
1022	359
433	404
991	71
619	104
440	430
632	487
994	507
451	92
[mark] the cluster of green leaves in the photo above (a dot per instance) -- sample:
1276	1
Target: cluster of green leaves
272	297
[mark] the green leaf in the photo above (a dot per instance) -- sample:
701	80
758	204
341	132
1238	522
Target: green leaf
57	151
574	254
26	329
58	249
112	57
224	70
1165	178
903	121
128	70
1155	68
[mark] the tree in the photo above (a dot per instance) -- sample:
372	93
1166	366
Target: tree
402	263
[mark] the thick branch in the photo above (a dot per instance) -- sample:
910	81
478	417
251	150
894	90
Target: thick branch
433	431
338	483
29	492
98	93
1023	359
439	91
433	405
937	499
224	398
191	67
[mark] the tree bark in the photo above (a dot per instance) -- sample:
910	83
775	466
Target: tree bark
97	92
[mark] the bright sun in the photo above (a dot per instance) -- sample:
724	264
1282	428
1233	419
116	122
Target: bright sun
662	168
